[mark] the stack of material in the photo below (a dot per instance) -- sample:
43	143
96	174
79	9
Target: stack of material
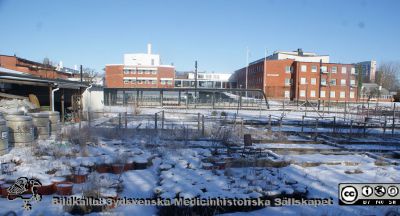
54	118
13	113
7	106
20	130
4	136
41	124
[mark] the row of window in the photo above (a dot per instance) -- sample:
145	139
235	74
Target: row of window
133	71
342	94
207	76
303	80
163	82
256	68
324	69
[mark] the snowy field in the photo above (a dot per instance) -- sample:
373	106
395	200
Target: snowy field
181	162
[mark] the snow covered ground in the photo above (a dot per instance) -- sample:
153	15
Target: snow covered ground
167	168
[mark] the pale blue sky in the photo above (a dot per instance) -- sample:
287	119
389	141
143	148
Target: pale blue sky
214	32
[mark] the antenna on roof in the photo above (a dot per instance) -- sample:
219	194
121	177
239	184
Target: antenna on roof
299	51
149	48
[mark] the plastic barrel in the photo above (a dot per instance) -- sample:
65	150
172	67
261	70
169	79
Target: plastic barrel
54	118
41	124
3	137
20	130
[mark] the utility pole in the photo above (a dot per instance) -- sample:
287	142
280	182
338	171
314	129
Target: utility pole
195	79
319	87
264	71
247	67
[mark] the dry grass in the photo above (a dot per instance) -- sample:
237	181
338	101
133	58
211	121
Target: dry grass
80	137
355	171
381	163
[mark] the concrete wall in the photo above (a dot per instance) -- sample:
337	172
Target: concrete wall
93	99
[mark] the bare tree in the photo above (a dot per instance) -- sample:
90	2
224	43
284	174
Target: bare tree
388	75
89	75
372	93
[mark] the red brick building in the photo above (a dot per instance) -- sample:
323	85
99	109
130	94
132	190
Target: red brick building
33	68
300	80
122	76
141	70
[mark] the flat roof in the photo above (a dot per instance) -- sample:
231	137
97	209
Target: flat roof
16	77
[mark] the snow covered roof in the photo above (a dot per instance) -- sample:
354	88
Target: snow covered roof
12	76
6	70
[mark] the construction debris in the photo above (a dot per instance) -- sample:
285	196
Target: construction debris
14	105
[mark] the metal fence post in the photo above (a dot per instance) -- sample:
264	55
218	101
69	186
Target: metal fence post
334	124
202	122
198	121
365	128
162	119
384	125
119	120
351	128
270	123
316	129
126	119
155	121
88	116
393	119
302	123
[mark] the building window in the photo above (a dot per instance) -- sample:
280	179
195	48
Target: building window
323	81
302	93
169	82
324	69
353	70
343	82
154	72
333	82
140	71
342	94
313	81
133	71
147	72
322	94
287	81
126	81
351	94
139	81
303	80
287	94
126	71
312	93
333	94
162	82
304	68
314	68
133	81
352	82
344	70
334	69
152	61
288	69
